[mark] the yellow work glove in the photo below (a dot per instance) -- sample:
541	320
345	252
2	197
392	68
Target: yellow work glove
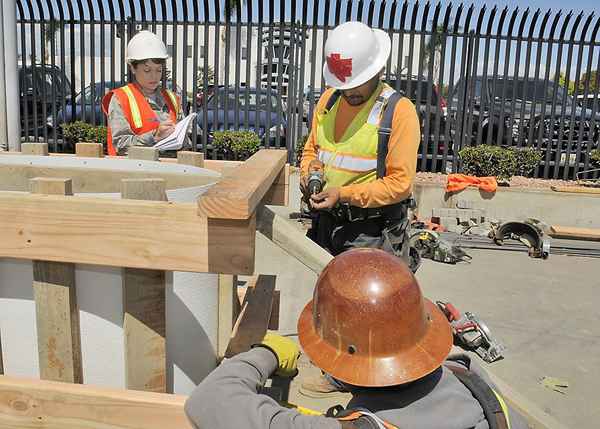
286	351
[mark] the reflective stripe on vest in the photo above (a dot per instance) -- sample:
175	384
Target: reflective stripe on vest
136	116
353	159
346	161
174	102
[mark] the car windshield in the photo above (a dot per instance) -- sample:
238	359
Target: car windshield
255	101
534	90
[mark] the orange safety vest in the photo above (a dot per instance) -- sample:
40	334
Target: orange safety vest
137	110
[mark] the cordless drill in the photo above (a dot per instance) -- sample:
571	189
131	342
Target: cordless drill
314	184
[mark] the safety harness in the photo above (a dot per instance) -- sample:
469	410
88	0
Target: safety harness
493	405
348	213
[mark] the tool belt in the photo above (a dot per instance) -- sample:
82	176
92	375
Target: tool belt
347	213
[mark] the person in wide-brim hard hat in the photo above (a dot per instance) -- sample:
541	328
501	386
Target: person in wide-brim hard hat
363	140
369	327
142	112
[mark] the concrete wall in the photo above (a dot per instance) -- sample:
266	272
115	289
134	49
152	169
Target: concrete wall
553	208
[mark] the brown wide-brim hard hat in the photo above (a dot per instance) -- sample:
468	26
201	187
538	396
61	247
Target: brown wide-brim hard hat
370	325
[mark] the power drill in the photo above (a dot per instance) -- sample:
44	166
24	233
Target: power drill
314	184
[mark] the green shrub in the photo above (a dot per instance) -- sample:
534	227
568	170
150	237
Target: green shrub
595	157
527	160
82	132
236	145
300	147
501	163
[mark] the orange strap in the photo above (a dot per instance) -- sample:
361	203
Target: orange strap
137	111
458	182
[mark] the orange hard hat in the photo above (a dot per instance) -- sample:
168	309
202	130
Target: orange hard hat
368	323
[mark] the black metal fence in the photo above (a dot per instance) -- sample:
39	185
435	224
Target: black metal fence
477	76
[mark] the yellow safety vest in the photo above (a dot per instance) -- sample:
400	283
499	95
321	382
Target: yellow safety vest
354	158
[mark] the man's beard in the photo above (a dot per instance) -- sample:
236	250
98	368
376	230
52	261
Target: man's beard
354	100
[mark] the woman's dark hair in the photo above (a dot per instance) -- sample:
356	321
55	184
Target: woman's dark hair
159	61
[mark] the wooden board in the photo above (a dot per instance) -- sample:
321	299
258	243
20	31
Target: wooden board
292	239
229	309
89	180
279	193
26	403
576	189
34	149
254	318
89	150
1	361
571	232
237	195
138	234
144	304
142	153
190	158
57	313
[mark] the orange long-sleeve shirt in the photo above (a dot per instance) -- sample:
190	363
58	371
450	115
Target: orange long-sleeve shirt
401	161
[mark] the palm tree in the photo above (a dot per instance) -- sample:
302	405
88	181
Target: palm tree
50	29
230	10
433	48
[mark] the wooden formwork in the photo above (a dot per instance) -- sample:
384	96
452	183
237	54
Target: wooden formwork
146	236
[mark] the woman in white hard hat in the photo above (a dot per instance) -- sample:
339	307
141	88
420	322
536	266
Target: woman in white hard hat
141	113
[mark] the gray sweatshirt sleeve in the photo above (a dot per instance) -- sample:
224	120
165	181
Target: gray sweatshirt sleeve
228	398
121	131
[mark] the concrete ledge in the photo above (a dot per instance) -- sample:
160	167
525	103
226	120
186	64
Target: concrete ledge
554	208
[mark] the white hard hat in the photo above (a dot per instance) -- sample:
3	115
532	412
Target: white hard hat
146	45
354	53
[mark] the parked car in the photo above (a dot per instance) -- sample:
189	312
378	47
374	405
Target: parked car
588	102
309	96
43	89
252	113
532	111
436	106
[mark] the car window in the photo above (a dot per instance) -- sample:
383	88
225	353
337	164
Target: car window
260	101
534	90
415	85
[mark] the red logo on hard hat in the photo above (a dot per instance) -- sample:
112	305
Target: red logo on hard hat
340	67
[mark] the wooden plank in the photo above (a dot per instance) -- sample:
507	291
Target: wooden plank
1	361
230	244
574	233
274	319
279	193
254	317
89	150
51	186
576	189
144	189
229	309
142	153
141	234
237	195
57	321
57	313
292	239
26	403
144	303
16	177
34	149
190	158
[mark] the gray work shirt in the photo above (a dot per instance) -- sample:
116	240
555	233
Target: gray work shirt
122	133
228	398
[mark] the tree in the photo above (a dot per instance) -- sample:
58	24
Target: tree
50	29
210	76
562	81
592	80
